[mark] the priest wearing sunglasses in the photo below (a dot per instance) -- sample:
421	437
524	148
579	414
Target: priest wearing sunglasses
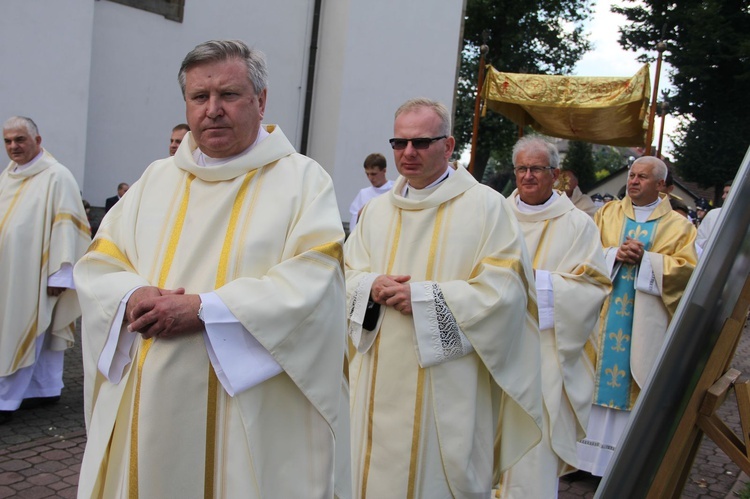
445	371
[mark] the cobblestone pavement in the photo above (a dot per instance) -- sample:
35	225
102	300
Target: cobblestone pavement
713	474
41	449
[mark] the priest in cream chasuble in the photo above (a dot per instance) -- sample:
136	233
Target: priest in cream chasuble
571	284
445	381
650	252
43	232
236	391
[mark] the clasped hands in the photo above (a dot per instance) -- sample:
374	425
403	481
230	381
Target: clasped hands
631	251
153	311
392	291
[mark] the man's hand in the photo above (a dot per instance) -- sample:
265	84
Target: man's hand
165	313
630	252
392	291
54	291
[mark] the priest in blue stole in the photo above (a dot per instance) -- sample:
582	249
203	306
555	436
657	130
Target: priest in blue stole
650	252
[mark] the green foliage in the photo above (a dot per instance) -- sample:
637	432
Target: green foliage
608	159
580	159
745	492
708	46
526	36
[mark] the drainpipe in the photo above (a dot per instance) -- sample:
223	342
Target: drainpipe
310	76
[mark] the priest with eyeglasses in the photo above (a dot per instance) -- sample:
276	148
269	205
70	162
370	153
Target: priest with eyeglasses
445	368
572	282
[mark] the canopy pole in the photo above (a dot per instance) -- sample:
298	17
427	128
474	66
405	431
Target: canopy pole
663	108
477	105
660	47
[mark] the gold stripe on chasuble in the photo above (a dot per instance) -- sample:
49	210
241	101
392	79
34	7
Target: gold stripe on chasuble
27	342
146	344
24	185
110	249
540	245
419	400
212	397
69	217
593	274
332	250
513	264
375	349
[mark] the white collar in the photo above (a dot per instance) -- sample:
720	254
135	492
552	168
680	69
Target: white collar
202	159
425	190
20	168
534	208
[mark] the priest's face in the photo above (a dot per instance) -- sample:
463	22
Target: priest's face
421	166
20	145
643	185
375	175
535	184
223	110
175	140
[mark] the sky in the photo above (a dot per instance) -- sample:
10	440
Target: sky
609	59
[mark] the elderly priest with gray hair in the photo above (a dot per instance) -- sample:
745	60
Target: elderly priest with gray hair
214	310
43	232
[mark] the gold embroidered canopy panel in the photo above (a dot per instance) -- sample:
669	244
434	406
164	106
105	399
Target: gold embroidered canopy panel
603	110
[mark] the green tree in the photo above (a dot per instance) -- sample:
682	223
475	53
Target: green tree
609	159
708	47
527	36
580	159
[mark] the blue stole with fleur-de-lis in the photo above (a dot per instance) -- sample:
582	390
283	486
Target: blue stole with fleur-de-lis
614	380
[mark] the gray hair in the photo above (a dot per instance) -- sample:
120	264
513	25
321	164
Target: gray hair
222	50
533	143
22	122
437	107
659	167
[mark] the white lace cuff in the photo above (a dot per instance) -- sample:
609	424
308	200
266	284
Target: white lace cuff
117	352
610	255
362	339
238	358
545	300
646	280
63	278
438	336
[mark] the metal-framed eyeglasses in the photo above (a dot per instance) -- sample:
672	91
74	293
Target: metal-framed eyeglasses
417	143
535	170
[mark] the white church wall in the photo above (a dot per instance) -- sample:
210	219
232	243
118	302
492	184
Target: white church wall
45	75
100	78
135	99
374	56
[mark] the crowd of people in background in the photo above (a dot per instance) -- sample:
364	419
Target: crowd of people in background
455	344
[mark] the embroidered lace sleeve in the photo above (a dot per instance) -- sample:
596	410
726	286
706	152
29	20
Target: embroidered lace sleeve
438	335
362	338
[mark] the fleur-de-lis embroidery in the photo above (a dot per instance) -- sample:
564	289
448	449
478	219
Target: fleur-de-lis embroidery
616	373
638	233
619	337
629	274
624	302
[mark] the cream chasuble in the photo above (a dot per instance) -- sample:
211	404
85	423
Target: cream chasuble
444	430
583	202
564	242
42	226
264	232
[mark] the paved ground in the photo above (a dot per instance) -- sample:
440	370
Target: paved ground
41	449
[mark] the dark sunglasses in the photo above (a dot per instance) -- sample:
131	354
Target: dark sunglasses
417	143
